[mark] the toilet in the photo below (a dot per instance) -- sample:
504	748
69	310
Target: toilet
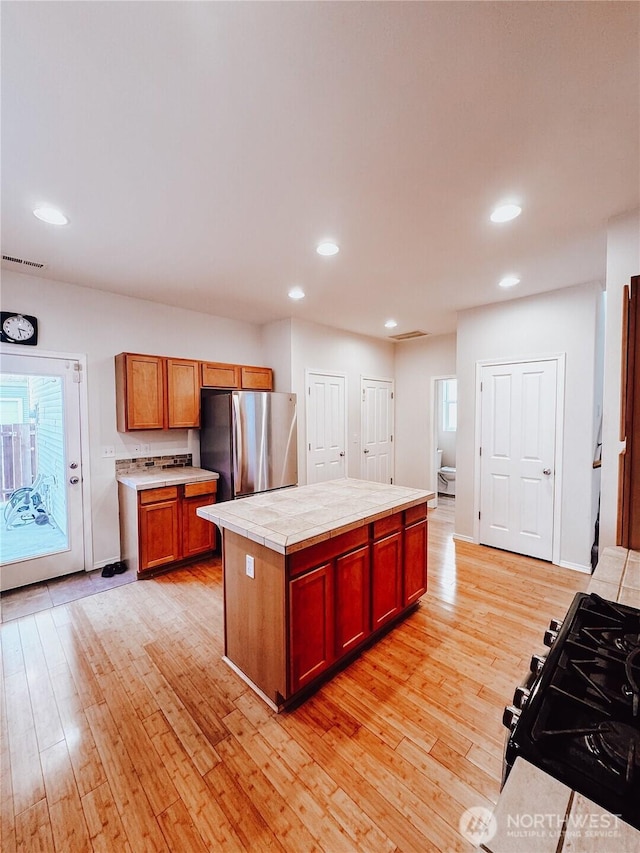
446	477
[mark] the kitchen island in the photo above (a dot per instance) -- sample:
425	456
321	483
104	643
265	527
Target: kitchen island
312	574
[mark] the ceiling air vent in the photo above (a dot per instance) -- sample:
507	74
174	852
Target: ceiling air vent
33	264
409	336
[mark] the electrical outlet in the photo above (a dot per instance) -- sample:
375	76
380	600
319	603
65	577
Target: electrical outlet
146	448
108	451
137	448
250	567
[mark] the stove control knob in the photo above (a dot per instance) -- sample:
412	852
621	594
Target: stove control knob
521	697
510	717
550	636
537	662
555	624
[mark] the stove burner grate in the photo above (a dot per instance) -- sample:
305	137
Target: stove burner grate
617	744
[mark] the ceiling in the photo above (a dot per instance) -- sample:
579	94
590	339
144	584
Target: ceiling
202	150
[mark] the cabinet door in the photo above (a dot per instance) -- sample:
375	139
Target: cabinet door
256	378
220	375
198	535
140	389
352	590
159	534
415	561
311	639
183	393
386	579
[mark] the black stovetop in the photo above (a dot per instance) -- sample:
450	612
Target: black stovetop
581	723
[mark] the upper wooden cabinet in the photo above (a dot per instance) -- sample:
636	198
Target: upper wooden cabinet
256	378
156	392
242	376
183	393
220	375
153	392
140	395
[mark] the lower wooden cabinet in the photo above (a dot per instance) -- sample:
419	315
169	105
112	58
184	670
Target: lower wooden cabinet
415	561
386	579
160	527
297	616
311	625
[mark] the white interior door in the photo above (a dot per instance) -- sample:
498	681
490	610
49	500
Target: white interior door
326	427
377	430
517	462
41	521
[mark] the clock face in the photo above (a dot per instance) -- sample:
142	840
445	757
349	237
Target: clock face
18	328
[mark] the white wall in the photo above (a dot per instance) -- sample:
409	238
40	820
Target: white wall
99	325
623	261
417	363
562	321
321	348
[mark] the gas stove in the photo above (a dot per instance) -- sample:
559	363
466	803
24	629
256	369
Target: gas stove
577	717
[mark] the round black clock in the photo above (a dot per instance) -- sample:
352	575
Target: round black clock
18	328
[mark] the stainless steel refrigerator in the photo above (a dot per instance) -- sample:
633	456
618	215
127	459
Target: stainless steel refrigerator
250	439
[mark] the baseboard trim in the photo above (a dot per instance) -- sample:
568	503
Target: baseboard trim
575	567
460	538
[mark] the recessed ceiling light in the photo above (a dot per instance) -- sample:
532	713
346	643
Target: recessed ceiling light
50	215
328	248
506	212
390	324
296	293
509	281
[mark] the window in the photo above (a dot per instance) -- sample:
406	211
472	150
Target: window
449	405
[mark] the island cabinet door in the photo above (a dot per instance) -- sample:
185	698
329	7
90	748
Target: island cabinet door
386	579
415	561
311	625
352	598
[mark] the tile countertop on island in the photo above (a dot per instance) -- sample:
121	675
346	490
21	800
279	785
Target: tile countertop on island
158	477
535	812
288	520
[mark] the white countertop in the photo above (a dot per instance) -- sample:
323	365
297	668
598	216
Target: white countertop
530	794
154	478
288	520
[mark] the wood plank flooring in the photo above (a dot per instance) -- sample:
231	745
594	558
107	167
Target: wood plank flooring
123	730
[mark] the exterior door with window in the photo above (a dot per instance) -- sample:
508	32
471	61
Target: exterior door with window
517	462
377	430
41	476
326	427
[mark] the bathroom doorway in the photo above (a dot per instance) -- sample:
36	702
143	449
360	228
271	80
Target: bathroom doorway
445	426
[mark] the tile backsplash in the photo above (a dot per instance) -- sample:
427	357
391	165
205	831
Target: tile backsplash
144	463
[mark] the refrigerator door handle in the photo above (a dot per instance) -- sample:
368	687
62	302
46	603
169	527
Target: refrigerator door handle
238	468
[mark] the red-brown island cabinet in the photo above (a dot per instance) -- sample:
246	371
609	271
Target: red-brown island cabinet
301	615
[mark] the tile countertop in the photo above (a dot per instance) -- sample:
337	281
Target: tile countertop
530	795
157	477
288	520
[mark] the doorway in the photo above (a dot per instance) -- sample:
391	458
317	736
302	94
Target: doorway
445	429
41	469
326	426
520	429
376	423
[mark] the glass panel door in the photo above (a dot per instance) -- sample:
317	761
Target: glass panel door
40	477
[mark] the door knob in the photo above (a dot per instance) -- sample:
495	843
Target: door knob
366	450
546	471
342	453
74	480
73	465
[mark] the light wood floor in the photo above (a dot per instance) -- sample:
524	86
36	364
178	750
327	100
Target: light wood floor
122	729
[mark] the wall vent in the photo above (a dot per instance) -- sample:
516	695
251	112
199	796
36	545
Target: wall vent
408	336
34	264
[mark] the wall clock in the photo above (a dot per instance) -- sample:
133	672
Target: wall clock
18	328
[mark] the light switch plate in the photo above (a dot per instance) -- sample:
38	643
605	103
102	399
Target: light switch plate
250	567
